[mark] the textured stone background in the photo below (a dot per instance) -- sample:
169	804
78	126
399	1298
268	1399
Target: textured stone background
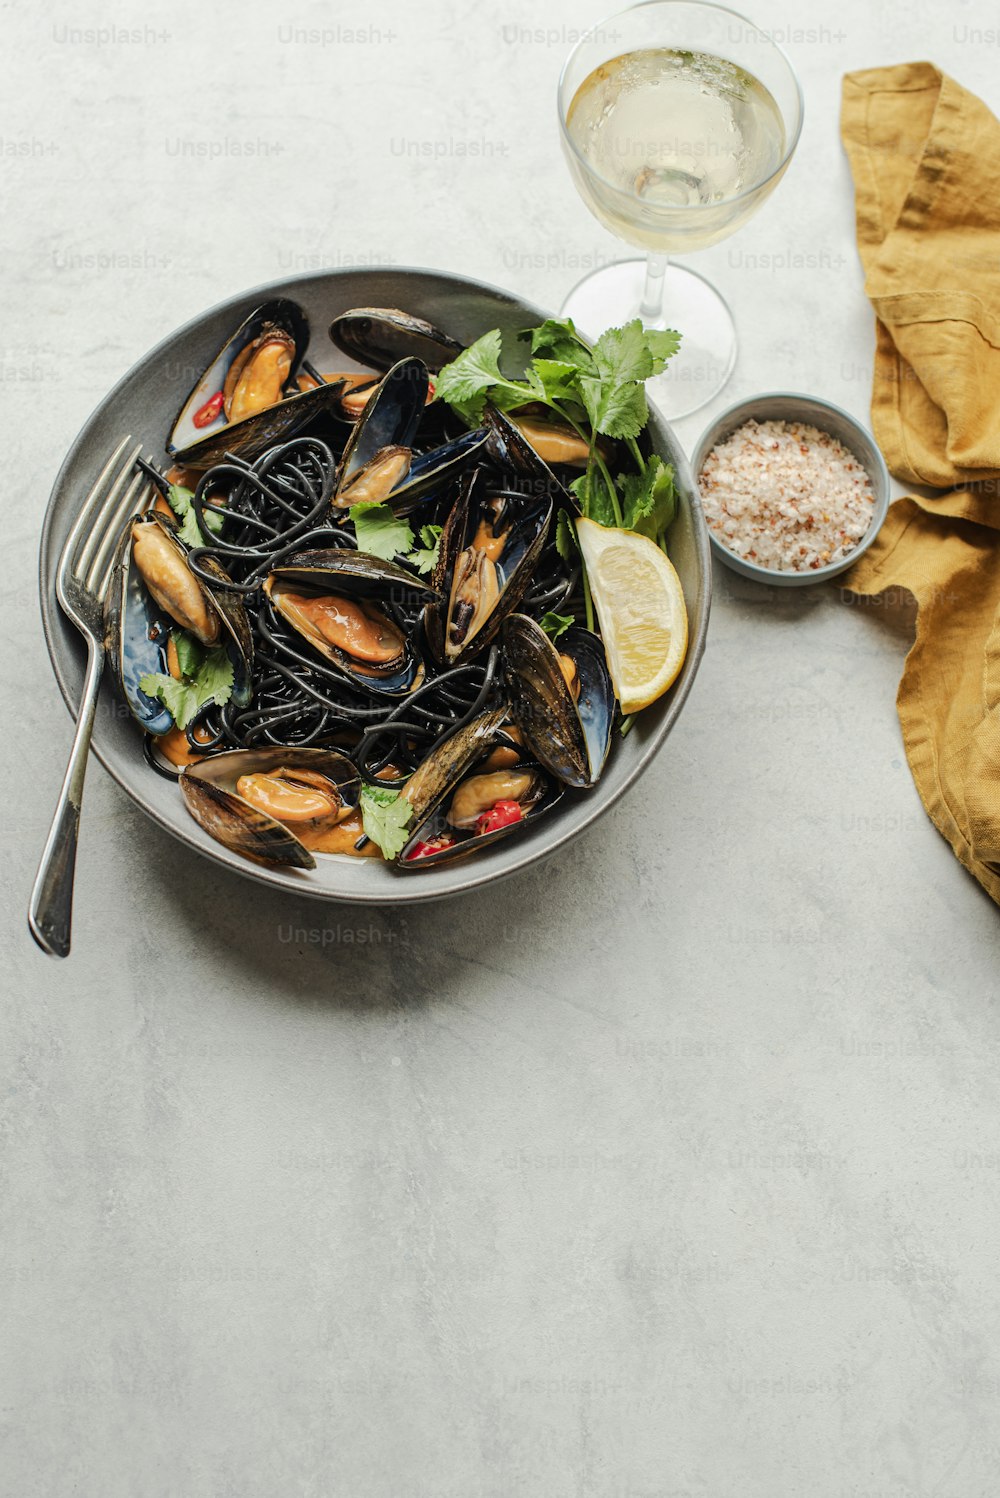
671	1168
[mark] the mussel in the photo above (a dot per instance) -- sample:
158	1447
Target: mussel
510	450
379	464
562	698
152	591
489	547
480	785
380	336
343	604
248	397
269	805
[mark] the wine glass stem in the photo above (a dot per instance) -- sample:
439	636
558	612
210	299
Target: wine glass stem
651	307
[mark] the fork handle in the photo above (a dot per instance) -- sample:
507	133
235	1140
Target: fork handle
50	911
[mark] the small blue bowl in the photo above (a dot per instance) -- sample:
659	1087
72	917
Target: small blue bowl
782	405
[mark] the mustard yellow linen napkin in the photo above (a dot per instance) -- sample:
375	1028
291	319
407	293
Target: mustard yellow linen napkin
925	155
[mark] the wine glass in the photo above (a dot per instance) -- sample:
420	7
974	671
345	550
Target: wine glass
679	118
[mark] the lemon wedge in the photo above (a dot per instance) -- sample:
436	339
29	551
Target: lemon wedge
640	604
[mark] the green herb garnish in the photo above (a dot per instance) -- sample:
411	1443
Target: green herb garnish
180	501
556	624
385	815
382	534
206	676
598	391
424	557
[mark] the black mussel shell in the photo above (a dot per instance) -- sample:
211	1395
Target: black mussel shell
380	336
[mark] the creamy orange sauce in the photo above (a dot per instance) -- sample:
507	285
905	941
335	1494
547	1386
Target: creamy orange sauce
390	772
174	747
185	478
340	839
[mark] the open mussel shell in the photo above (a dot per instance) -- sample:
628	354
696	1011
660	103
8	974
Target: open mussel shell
568	727
137	628
210	794
379	465
388	422
381	336
455	764
519	463
277	334
429	472
317	575
489	549
355	573
136	632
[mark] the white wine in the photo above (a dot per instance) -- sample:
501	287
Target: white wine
673	145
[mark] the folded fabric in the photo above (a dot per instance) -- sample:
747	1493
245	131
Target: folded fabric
925	156
949	697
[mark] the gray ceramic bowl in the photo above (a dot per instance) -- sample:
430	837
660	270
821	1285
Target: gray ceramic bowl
787	406
144	403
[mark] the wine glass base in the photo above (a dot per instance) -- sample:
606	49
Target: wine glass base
612	295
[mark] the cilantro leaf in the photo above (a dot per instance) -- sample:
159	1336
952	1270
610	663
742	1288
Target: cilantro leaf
212	681
385	815
566	544
662	346
555	624
190	652
558	379
474	374
190	532
558	339
379	532
178	697
622	354
648	499
424	557
617	410
624	358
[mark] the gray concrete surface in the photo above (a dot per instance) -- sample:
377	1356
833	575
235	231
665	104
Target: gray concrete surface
671	1168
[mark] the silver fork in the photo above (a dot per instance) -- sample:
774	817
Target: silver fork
81	586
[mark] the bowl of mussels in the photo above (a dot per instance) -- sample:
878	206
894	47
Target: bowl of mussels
354	649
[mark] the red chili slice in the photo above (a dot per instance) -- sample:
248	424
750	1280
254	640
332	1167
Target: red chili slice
209	411
503	814
436	845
